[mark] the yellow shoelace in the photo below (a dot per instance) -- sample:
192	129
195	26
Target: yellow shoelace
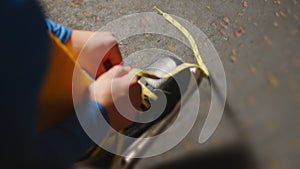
201	66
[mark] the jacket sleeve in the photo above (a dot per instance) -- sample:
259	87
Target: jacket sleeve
61	32
65	142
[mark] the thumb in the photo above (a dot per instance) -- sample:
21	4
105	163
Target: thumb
129	78
119	71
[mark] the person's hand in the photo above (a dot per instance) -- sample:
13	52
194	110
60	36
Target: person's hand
97	52
115	90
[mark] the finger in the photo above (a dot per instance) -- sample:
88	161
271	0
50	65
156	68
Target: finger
130	79
135	95
119	71
134	80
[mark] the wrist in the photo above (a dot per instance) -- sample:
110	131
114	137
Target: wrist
103	111
77	41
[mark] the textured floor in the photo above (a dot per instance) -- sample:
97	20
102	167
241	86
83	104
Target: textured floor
260	51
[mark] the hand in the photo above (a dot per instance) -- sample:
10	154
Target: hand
111	90
96	51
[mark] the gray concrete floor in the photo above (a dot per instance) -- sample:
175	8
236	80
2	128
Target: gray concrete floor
263	81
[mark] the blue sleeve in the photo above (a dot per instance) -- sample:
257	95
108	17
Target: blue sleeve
61	32
103	111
